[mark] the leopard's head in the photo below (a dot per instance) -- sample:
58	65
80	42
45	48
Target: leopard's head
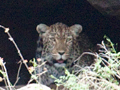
58	40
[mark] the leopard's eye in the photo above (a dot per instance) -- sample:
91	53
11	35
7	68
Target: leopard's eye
69	38
52	39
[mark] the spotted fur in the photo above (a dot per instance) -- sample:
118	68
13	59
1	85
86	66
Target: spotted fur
59	45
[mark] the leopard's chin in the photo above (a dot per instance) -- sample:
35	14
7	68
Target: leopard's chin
59	65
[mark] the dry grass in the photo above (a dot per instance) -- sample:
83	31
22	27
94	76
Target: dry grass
103	74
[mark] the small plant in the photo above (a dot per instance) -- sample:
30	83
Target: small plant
103	74
31	69
70	82
3	71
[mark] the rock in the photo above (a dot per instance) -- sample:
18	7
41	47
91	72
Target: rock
2	88
107	7
34	87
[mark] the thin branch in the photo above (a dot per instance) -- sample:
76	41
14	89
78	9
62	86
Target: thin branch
21	56
84	53
7	78
17	78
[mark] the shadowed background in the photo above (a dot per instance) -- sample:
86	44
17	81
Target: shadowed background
22	17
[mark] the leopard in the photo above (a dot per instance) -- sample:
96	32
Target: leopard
59	46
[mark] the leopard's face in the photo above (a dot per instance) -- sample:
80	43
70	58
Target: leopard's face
61	44
58	41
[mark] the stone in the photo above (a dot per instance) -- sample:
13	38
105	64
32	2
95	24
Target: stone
107	7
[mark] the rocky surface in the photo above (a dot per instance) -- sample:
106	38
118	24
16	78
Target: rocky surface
34	87
107	7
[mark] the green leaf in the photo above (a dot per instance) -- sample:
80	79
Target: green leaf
34	77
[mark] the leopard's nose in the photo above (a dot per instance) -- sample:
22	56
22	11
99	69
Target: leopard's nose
61	53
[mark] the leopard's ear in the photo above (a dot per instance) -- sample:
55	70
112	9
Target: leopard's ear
76	29
41	28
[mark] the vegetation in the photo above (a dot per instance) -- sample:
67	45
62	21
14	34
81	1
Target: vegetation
103	74
30	69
